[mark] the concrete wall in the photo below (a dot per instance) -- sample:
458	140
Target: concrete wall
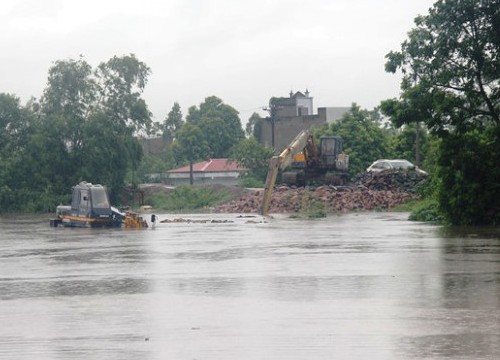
286	129
294	106
154	146
332	114
230	179
293	115
286	107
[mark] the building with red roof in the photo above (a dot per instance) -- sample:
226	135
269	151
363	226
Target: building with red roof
212	171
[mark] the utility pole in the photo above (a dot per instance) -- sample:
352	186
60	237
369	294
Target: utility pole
272	116
272	109
273	124
417	144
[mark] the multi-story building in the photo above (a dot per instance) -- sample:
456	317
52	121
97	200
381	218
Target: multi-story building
290	115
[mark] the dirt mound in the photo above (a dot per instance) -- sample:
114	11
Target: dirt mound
367	191
332	199
404	181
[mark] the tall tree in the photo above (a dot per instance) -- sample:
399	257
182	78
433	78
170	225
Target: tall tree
254	126
70	89
406	141
219	123
451	83
67	100
450	67
16	127
191	146
253	156
121	83
108	154
92	116
14	124
173	121
82	129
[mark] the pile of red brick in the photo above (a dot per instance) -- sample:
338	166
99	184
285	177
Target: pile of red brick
331	199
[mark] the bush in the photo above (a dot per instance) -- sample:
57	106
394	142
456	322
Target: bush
30	201
426	210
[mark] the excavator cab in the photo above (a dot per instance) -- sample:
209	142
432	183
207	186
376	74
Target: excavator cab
330	148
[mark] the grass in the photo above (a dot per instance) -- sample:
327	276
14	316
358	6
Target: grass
186	198
409	206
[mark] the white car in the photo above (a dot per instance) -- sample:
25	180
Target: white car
397	164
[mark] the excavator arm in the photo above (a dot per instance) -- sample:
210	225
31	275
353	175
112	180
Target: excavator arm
280	162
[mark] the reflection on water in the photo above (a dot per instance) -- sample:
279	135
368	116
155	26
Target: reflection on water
20	288
357	286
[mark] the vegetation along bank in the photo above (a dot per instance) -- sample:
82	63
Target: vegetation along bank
87	123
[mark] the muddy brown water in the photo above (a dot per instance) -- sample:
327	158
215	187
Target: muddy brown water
357	286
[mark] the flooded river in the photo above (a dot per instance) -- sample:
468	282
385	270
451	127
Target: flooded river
358	286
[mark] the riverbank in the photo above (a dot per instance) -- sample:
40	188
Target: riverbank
366	192
324	199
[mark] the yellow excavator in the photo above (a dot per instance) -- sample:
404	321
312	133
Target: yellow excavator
305	163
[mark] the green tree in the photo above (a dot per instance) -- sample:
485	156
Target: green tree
89	121
406	142
451	83
16	127
152	166
254	126
44	167
66	102
14	124
190	146
70	90
253	156
82	129
364	140
108	153
173	121
450	65
121	83
469	186
219	123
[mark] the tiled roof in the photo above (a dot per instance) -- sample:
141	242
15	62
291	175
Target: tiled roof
212	165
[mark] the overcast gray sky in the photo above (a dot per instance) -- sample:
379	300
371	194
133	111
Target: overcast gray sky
244	52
